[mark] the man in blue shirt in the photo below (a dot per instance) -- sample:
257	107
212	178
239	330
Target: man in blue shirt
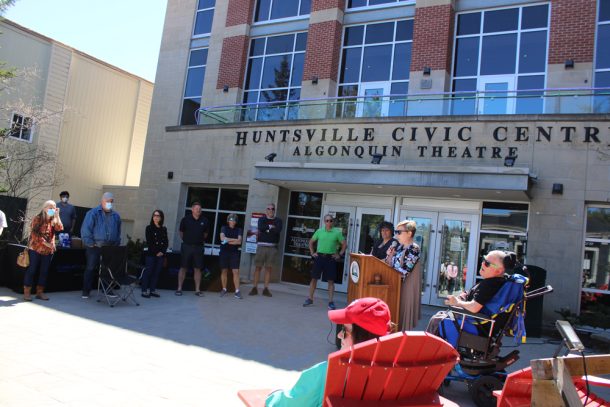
101	227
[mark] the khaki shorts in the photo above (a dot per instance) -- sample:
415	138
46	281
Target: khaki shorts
265	256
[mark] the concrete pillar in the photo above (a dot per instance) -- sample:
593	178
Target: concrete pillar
322	56
572	37
432	49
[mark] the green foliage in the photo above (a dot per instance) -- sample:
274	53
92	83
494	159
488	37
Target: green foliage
135	249
5	4
596	315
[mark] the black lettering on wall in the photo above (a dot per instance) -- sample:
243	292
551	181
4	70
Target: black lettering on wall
495	152
451	153
480	150
332	151
497	136
422	150
429	133
413	133
350	135
466	153
447	130
591	134
522	134
284	134
323	138
296	136
345	150
461	133
512	152
310	134
368	134
319	150
567	138
542	132
256	136
359	151
437	151
296	152
395	133
396	151
270	136
241	138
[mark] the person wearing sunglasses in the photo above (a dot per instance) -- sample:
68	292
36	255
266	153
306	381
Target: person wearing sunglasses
493	268
268	234
323	247
362	320
404	258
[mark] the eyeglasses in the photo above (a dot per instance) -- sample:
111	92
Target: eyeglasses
490	264
270	209
328	220
397	232
157	215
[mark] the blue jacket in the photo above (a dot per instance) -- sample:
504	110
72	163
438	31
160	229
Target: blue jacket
101	229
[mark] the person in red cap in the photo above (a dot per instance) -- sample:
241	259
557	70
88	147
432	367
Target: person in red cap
363	319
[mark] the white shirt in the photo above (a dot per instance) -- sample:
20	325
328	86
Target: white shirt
3	223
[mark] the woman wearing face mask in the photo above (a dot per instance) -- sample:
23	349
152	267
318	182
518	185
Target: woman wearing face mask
41	247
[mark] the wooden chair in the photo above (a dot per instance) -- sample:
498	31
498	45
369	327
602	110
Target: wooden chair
556	382
401	369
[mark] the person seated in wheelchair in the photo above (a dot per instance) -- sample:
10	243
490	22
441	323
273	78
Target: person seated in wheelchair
493	270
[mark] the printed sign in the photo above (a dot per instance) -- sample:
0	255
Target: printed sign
252	233
456	244
354	271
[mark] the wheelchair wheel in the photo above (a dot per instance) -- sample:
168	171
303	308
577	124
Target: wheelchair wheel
481	390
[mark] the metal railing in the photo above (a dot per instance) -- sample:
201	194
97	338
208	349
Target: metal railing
531	101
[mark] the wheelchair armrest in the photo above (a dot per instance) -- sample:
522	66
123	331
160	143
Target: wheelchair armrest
463	311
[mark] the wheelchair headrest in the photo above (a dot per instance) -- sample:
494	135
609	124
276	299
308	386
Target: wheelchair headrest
511	293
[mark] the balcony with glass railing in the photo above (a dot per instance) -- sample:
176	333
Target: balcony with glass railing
532	101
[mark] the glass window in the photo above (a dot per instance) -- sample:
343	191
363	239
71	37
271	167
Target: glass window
467	56
206	4
378	33
275	64
498	54
495	241
602	102
376	63
532	56
598	223
398	104
469	23
364	3
464	103
347	107
530	102
193	86
21	127
596	264
216	211
603	47
204	17
404	30
501	20
305	204
535	17
276	9
505	217
402	61
604	10
353	35
350	70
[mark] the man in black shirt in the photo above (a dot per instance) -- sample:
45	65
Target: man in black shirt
269	229
193	232
492	271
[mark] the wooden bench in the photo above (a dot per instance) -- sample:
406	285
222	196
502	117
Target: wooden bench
401	369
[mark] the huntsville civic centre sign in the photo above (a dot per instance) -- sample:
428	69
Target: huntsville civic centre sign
466	142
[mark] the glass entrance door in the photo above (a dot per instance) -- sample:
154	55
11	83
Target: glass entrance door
372	102
497	96
448	246
359	226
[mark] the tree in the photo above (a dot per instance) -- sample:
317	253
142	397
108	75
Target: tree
5	73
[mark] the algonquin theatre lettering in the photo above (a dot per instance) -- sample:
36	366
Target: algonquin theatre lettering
428	141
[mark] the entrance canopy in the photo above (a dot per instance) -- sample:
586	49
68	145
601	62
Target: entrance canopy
441	181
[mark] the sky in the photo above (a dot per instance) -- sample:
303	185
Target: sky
124	33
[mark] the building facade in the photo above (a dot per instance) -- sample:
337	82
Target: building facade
485	121
90	115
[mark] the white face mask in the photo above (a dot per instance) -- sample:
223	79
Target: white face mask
64	199
108	205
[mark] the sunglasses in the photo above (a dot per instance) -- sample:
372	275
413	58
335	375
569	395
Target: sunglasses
397	232
487	263
328	220
270	209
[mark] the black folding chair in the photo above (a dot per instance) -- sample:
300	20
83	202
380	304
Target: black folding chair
115	283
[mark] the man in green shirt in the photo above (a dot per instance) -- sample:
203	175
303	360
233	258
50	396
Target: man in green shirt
327	240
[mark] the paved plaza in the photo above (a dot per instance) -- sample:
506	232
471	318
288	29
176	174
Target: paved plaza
171	351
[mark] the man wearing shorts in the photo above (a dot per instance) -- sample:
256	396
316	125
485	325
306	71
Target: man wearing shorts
193	232
325	257
269	228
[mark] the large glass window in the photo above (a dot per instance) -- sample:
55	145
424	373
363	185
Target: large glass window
507	47
275	9
193	87
365	3
595	300
504	227
217	204
274	75
602	58
21	127
303	220
204	17
377	53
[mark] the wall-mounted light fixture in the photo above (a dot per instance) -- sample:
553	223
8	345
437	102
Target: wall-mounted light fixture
376	158
314	80
225	88
509	161
270	157
557	189
427	71
569	64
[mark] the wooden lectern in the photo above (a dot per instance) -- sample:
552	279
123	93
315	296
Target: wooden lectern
362	271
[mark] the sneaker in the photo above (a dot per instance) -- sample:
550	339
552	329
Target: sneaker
266	292
223	292
199	293
331	306
85	295
154	294
308	302
238	295
146	294
178	293
253	291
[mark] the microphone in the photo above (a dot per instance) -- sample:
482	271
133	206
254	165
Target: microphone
394	244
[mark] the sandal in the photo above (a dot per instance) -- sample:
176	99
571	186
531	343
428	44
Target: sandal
178	292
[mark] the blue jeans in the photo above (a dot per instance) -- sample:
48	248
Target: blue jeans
151	272
93	255
41	261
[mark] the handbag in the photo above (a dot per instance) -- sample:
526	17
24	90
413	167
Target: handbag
23	260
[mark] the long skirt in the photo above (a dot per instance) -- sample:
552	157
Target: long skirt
410	300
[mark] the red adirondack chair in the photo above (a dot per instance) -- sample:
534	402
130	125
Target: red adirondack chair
401	369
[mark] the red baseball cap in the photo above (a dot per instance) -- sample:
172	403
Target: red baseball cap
369	313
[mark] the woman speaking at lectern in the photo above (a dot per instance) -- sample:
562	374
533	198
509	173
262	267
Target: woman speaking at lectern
405	260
